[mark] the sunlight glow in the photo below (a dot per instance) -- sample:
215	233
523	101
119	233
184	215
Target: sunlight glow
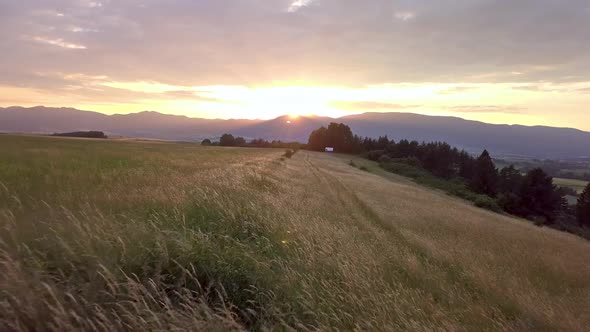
522	103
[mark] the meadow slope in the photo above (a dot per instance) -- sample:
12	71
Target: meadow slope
104	235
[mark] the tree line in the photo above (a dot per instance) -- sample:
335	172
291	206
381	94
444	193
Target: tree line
83	134
238	141
530	195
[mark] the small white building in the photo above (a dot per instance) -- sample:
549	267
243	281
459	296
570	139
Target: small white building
329	149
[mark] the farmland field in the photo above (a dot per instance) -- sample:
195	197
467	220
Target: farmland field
577	185
105	235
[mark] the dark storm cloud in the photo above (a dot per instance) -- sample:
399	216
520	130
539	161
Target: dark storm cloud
256	42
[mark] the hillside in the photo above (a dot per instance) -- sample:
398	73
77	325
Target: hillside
164	236
140	125
505	140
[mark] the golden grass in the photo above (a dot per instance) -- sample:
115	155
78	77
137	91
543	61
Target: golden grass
130	236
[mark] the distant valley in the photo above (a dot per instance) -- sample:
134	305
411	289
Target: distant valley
515	140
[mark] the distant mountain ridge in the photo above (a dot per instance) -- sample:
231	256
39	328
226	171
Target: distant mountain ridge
537	141
147	124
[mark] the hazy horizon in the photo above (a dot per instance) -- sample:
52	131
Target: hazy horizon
292	117
525	63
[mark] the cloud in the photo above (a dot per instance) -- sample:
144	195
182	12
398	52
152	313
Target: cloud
94	4
553	87
339	42
459	89
298	4
58	42
369	105
405	16
477	47
78	29
196	96
488	109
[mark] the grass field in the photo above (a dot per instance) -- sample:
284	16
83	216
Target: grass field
577	185
103	235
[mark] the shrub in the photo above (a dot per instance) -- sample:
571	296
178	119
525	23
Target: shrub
510	202
464	193
375	154
385	159
364	168
289	153
488	203
406	170
412	161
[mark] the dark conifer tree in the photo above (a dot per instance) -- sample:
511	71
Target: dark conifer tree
485	179
466	165
539	196
510	180
382	142
510	185
583	208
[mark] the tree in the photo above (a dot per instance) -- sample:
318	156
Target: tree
227	140
382	142
510	185
403	149
583	207
337	135
438	158
466	165
239	141
318	139
340	137
261	143
206	142
510	180
539	196
485	179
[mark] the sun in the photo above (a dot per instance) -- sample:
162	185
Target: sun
293	102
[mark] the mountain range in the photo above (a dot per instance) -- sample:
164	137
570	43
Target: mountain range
474	136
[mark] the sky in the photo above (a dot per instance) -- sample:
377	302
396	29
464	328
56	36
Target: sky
504	61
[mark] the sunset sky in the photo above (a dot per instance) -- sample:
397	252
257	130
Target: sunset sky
502	61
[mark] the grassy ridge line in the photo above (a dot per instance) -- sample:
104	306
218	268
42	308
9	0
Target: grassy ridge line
173	236
477	240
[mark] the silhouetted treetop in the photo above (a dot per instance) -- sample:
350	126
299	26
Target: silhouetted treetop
485	178
227	140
